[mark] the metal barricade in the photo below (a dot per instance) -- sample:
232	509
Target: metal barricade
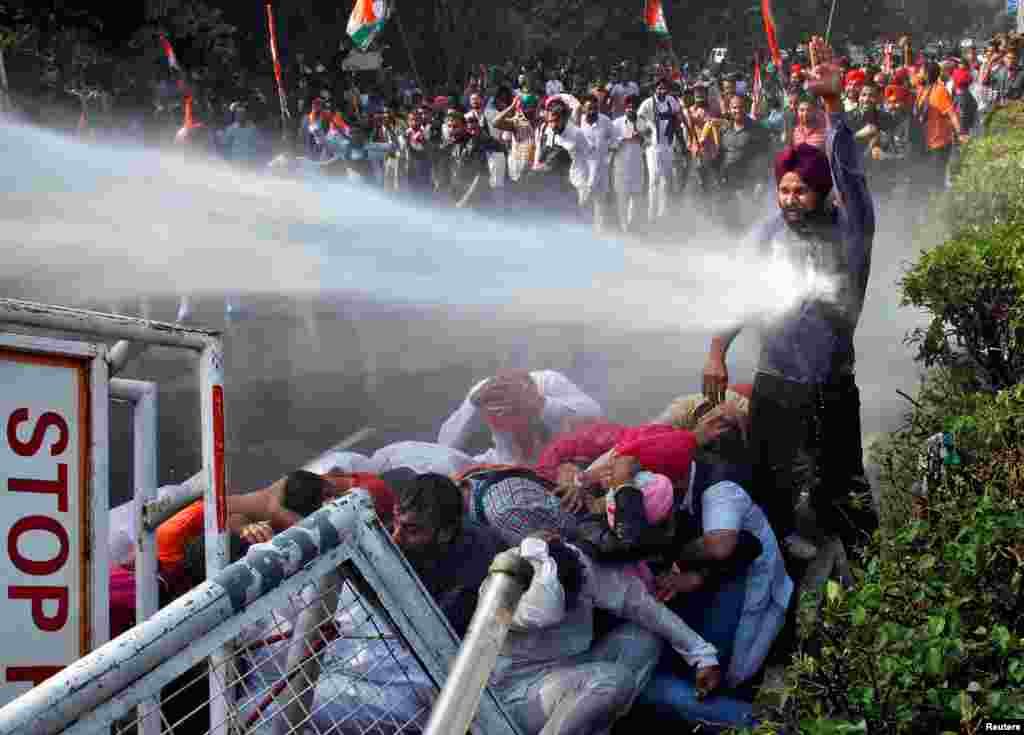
330	632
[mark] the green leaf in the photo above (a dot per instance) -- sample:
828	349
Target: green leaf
833	591
936	624
934	663
1001	637
859	616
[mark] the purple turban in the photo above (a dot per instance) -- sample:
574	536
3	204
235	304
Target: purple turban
809	163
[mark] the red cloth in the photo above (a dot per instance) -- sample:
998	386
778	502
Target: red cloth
856	75
744	389
384	500
122	600
583	444
658	448
962	78
809	163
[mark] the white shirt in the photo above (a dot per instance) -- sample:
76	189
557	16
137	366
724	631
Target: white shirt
553	87
599	136
648	112
562	399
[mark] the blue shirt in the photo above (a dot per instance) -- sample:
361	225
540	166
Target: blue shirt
812	342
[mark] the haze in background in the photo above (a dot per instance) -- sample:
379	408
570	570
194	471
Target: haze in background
359	310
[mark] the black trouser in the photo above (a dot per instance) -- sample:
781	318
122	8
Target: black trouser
930	171
788	417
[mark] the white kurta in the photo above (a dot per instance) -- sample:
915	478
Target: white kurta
659	145
628	164
599	136
562	400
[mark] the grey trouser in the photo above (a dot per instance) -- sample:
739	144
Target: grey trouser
586	693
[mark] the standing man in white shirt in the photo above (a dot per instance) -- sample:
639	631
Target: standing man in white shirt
658	120
598	131
627	164
619	89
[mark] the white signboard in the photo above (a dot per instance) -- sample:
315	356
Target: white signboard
46	616
359	61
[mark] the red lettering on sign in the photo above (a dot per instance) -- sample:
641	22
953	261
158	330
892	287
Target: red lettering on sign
38	523
47	623
29	448
58	487
35	674
219	489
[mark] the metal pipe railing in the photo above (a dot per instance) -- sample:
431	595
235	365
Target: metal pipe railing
507	580
144	331
85	685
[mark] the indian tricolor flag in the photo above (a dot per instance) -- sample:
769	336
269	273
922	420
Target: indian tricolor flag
654	18
366	21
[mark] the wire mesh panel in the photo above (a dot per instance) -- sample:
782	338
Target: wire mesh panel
348	642
329	662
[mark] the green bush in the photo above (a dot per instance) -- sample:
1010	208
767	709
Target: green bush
973	287
973	284
989	186
930	637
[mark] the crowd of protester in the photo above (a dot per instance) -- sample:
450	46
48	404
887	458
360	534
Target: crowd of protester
634	143
664	553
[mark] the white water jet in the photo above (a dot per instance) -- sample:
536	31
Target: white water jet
86	223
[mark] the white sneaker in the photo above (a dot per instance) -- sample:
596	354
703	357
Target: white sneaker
798	547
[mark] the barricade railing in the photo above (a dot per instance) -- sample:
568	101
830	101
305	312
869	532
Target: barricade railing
75	348
329	631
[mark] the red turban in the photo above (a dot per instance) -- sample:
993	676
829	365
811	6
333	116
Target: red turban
895	93
856	75
961	78
809	163
664	450
584	444
795	69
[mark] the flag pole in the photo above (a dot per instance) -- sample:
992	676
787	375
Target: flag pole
828	28
286	114
408	48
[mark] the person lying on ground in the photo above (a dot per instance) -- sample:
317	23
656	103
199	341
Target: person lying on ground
450	554
553	676
256	516
522	410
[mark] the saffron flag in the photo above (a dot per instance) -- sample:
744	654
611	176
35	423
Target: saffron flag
770	31
654	18
367	20
172	60
757	87
275	57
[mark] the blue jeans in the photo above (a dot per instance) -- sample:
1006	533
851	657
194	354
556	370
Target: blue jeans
672	694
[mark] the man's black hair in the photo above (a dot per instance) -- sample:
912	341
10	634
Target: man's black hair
304	492
435	497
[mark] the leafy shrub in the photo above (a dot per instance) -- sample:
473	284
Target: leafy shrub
973	284
989	187
930	637
973	287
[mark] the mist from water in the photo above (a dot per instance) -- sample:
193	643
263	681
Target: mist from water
92	222
367	310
